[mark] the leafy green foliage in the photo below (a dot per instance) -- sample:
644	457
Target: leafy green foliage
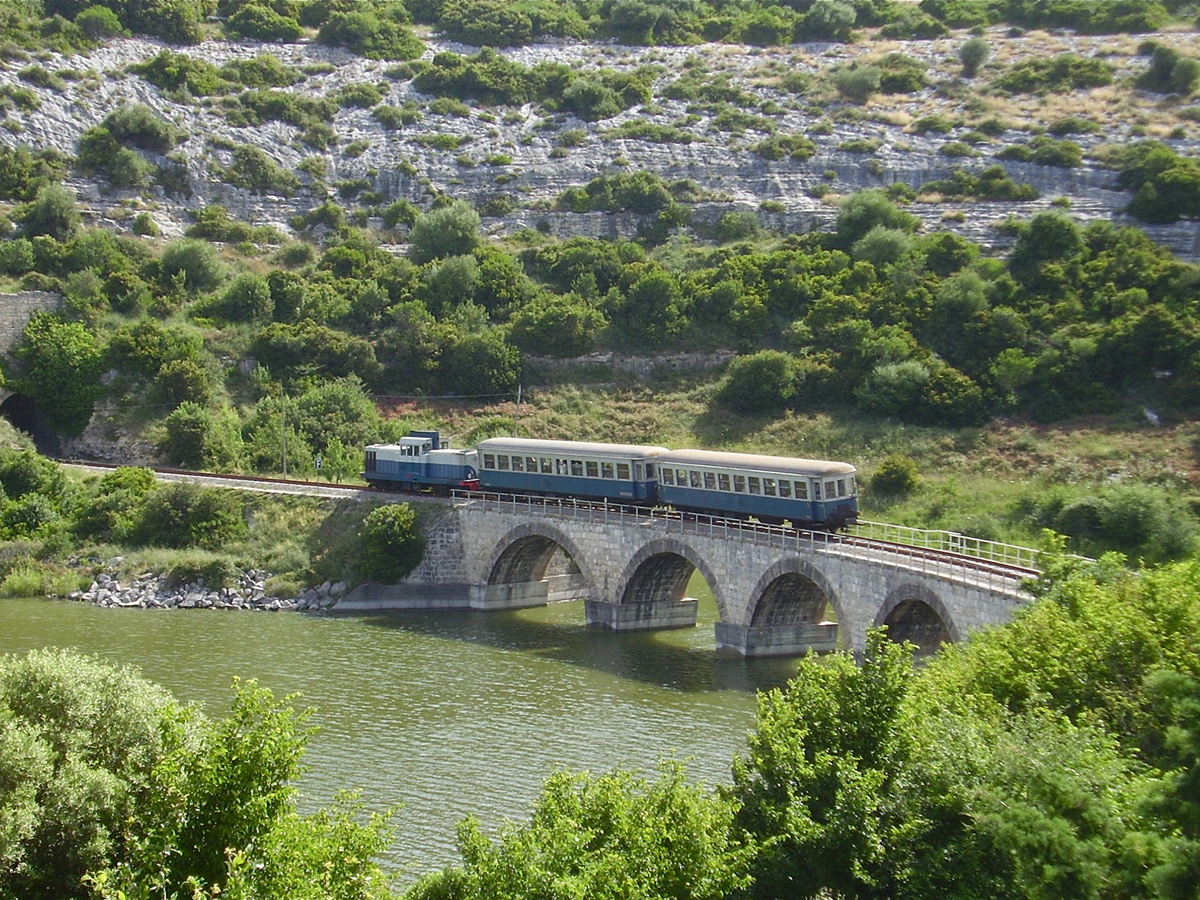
764	382
376	32
51	213
79	740
185	514
200	437
973	54
449	231
613	835
390	545
895	476
23	171
60	370
111	788
1065	72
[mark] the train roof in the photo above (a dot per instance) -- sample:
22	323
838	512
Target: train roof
568	448
756	462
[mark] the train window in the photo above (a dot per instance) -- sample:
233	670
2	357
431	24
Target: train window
622	471
370	466
593	469
668	476
769	487
816	490
785	488
489	460
710	481
546	464
723	481
518	463
694	479
801	490
502	462
739	484
649	471
577	468
850	482
754	484
606	470
560	467
681	477
841	487
531	464
829	490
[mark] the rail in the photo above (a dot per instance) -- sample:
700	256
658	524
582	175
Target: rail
945	558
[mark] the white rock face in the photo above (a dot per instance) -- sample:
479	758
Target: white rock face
721	162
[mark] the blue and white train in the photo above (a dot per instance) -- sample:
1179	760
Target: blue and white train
805	492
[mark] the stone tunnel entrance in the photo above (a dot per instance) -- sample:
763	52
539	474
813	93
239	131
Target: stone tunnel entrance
25	415
918	623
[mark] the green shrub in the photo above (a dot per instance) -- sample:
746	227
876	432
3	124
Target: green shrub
200	437
261	23
390	545
139	126
177	71
375	34
764	382
193	265
396	117
60	370
857	82
100	23
183	514
1065	72
254	171
895	476
973	54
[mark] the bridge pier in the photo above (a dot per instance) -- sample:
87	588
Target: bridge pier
647	616
777	640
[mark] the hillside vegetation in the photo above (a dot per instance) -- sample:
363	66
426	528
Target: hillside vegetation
266	251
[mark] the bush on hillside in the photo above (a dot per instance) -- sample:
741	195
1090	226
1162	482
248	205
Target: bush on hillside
390	545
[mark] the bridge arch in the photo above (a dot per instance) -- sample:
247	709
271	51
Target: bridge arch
793	592
914	613
660	570
525	553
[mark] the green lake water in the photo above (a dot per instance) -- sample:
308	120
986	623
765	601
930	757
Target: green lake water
443	713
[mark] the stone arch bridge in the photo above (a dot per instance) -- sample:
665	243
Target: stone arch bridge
778	591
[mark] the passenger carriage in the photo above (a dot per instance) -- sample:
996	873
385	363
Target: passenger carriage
420	461
624	472
770	488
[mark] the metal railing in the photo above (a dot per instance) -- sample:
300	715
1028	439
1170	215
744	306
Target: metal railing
997	567
949	542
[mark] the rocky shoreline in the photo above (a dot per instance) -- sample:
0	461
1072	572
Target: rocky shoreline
152	590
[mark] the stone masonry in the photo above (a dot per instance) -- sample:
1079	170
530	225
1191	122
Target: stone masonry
765	585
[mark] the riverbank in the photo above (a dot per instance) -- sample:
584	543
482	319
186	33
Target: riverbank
155	590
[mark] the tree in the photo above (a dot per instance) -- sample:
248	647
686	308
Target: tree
449	231
864	210
612	835
857	82
895	476
60	371
52	212
819	790
973	54
764	382
390	544
197	437
193	264
78	739
480	363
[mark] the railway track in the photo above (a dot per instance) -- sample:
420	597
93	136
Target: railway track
956	557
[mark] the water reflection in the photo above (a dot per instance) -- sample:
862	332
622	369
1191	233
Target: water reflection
679	660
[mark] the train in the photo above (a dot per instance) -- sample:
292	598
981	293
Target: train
806	492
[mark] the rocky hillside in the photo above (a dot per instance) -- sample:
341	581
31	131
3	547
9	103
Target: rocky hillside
513	163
